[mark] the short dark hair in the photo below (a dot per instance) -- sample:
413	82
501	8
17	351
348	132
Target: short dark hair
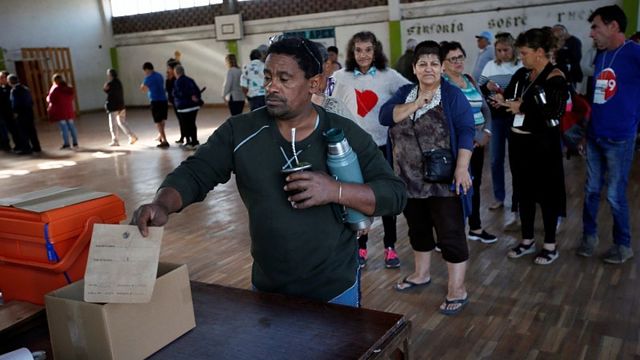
4	72
303	50
609	14
333	49
147	66
113	73
379	59
447	46
171	63
255	54
13	79
537	38
427	47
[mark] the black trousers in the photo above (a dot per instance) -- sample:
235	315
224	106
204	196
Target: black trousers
444	214
477	162
190	128
538	178
388	224
235	107
180	124
27	131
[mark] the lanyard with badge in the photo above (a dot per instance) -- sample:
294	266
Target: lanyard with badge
518	119
606	82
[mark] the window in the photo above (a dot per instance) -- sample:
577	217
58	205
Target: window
133	7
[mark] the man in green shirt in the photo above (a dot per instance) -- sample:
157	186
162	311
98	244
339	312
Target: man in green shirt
298	243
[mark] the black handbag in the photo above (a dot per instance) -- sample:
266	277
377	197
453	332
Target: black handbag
437	164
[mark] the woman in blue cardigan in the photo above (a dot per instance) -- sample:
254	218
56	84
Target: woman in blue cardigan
433	115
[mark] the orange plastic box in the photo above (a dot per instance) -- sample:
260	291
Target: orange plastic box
44	238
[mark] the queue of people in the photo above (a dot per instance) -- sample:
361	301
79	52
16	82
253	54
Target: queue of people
421	143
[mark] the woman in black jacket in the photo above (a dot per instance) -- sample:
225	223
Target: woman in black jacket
115	109
537	96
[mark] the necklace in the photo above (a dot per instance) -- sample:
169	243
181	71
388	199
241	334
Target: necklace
604	56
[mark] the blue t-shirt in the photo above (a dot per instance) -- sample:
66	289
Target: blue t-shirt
155	83
615	113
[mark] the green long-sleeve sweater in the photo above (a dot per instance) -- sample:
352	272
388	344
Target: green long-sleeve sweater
305	252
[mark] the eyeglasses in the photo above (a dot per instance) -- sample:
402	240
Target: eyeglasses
301	42
456	60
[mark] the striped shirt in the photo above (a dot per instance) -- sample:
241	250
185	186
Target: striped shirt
499	74
474	96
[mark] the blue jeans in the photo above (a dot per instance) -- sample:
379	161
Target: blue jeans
608	160
499	132
66	127
351	296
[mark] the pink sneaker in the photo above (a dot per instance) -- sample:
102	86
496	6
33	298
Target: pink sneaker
362	257
391	259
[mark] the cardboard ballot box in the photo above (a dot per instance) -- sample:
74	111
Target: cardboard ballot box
45	236
81	330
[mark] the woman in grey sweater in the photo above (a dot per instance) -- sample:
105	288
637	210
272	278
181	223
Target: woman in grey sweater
231	92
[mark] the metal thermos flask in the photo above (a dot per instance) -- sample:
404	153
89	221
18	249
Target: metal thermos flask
343	164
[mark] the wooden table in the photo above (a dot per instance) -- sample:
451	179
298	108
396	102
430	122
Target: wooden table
242	324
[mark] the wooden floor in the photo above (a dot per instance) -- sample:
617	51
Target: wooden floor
576	308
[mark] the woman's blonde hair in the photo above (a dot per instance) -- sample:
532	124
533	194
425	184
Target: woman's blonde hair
506	39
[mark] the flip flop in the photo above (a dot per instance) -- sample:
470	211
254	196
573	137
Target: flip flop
410	284
447	302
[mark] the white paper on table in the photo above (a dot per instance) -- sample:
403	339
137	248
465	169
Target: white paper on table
122	265
20	354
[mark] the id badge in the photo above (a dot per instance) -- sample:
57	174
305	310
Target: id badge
599	93
518	120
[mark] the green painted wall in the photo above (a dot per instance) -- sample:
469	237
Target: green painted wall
232	47
114	58
630	8
395	41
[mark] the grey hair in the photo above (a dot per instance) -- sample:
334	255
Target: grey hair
179	70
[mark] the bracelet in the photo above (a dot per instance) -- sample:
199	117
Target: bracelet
339	192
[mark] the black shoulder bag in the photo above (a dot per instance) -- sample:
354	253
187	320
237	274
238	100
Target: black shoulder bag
438	165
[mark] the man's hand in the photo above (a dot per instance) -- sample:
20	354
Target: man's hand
311	188
149	215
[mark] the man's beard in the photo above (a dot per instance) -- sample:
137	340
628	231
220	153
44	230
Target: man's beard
281	110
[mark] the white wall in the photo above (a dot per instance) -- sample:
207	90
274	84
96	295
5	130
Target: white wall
463	27
203	61
80	25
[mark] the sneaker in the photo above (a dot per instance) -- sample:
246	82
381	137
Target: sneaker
496	205
133	139
65	147
362	257
180	141
587	244
483	237
163	145
114	143
617	254
391	259
437	249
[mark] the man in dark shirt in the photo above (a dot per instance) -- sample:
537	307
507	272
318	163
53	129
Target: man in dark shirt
22	105
568	55
404	65
298	243
7	123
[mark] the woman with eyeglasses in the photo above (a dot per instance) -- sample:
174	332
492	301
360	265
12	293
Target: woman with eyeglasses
454	56
537	96
495	77
433	115
364	84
